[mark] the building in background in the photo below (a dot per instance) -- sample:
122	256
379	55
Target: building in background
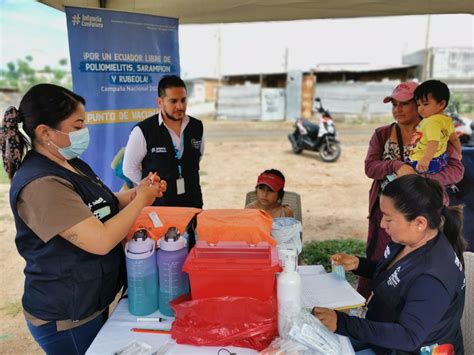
201	96
346	89
201	90
252	96
453	65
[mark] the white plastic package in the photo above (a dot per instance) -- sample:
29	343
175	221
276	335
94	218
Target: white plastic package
135	347
309	331
287	233
281	346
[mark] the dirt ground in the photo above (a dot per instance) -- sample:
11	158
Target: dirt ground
334	197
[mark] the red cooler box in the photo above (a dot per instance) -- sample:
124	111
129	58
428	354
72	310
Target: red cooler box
232	269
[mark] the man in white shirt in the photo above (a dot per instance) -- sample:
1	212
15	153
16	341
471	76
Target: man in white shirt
169	143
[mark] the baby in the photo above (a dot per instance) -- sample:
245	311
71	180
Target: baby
435	130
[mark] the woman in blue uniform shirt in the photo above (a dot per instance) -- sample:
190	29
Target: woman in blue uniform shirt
69	225
419	285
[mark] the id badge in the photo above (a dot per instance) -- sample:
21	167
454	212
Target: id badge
180	186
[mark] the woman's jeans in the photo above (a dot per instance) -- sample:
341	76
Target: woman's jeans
73	341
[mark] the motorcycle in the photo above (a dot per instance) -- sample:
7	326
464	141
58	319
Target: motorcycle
463	126
320	138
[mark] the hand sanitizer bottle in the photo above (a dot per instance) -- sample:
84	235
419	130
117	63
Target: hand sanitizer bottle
288	292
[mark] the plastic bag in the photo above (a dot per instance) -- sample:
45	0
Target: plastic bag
287	233
309	331
225	321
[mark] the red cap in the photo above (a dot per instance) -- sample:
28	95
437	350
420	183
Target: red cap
403	92
274	182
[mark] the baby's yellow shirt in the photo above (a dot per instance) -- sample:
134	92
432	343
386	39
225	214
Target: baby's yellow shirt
434	128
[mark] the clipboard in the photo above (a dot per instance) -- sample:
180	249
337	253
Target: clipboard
330	291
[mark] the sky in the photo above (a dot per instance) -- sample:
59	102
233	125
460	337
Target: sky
31	28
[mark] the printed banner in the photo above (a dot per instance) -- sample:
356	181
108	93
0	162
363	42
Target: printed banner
117	60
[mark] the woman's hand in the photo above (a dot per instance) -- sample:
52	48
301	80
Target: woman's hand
348	262
150	188
405	169
327	316
154	179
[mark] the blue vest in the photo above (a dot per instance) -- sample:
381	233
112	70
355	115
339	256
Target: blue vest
437	259
63	281
160	157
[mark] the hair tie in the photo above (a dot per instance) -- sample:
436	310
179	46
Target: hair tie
10	139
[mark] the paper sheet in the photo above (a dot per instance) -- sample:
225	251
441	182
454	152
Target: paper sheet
330	291
311	270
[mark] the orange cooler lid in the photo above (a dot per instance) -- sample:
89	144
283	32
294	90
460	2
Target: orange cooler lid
247	225
178	217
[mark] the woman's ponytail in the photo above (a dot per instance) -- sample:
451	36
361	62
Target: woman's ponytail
43	104
12	141
453	229
414	196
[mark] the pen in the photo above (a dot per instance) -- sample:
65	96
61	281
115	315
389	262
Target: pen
156	331
150	319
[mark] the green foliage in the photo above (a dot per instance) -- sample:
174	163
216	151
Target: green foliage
318	252
3	176
21	75
456	100
459	101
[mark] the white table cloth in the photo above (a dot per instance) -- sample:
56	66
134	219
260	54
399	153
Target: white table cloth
116	333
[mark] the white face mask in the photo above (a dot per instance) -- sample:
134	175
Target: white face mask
79	143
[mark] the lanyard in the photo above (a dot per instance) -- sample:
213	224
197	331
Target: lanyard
400	142
178	155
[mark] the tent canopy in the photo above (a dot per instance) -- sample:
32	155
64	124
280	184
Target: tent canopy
224	11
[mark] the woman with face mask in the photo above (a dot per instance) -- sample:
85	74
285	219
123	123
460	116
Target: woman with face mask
69	225
389	149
